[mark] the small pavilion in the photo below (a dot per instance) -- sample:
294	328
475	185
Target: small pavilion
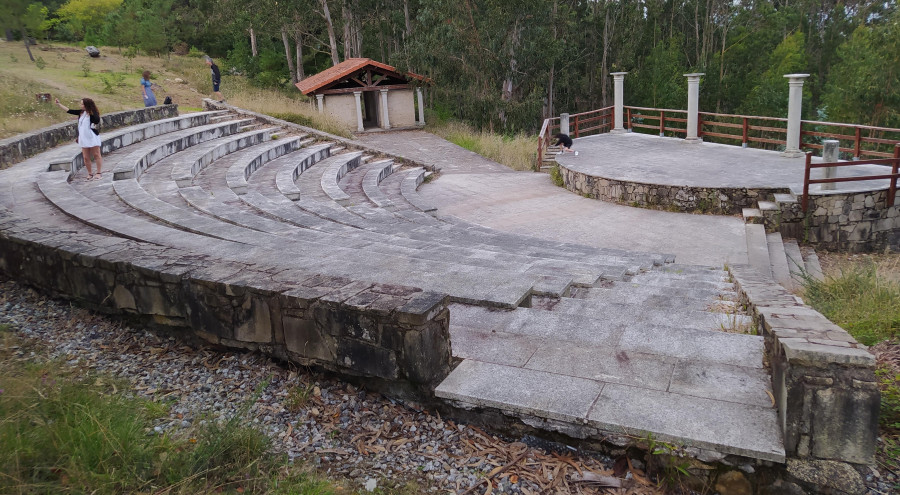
367	94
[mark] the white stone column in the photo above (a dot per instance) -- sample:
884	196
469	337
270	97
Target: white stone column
831	152
385	120
320	101
421	106
795	109
359	119
619	99
693	109
564	123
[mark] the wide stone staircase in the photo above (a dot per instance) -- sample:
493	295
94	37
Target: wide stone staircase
594	343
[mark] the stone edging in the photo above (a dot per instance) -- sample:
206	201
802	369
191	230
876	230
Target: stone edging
396	338
823	380
719	201
17	148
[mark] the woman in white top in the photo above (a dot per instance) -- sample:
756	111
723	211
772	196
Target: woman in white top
88	134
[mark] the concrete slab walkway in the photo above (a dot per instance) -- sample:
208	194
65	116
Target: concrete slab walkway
487	193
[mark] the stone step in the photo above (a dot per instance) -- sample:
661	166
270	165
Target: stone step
658	297
784	198
752	215
409	190
371	182
636	407
813	267
331	176
758	248
778	260
794	261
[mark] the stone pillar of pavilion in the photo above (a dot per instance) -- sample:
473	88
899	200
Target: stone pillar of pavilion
359	118
693	109
421	106
619	99
795	109
320	102
385	120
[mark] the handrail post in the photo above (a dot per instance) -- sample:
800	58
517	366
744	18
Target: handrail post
893	189
662	123
699	127
795	110
857	145
628	122
619	98
805	202
693	107
576	125
745	133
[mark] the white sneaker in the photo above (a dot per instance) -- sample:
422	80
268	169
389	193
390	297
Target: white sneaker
576	153
559	152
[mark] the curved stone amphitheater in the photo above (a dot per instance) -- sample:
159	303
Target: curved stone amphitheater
248	232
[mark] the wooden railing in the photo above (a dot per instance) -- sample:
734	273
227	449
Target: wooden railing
580	125
857	141
893	176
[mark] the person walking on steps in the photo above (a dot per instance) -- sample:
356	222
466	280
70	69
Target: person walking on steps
147	88
88	134
565	142
216	79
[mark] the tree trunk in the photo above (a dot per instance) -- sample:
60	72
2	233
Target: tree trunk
287	55
253	49
28	48
604	70
408	31
335	58
299	40
348	31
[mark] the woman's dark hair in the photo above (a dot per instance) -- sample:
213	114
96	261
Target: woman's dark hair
560	136
90	106
146	75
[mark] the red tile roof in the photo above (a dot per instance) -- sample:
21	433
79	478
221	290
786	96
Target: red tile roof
344	69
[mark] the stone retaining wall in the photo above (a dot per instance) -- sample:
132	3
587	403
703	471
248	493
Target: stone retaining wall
823	380
720	201
18	148
854	222
395	338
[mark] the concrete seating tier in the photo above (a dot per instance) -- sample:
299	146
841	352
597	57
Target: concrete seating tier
186	167
238	173
143	156
69	157
287	175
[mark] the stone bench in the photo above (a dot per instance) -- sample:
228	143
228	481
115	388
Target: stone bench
331	178
408	188
287	174
824	381
371	181
238	173
187	167
145	155
70	157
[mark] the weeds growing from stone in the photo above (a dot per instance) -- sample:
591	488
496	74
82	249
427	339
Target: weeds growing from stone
516	152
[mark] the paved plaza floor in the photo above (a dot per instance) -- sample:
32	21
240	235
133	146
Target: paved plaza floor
482	191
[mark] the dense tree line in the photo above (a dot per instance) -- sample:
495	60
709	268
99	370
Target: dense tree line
506	64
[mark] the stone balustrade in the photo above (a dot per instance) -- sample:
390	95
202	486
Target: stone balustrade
17	148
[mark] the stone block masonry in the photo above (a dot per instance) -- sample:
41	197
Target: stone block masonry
17	148
394	338
855	222
823	380
713	200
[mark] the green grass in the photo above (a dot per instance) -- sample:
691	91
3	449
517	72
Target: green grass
65	431
859	300
517	152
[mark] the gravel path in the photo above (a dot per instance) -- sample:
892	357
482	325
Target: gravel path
350	435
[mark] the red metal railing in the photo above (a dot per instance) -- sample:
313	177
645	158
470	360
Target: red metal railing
860	141
893	176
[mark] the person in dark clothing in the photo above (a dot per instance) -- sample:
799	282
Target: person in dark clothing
216	78
564	141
